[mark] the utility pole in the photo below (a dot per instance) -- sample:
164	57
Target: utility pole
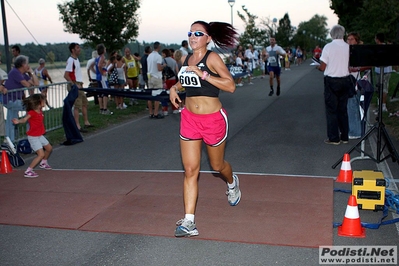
6	45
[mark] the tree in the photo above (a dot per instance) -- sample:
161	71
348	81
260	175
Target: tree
347	11
284	31
111	22
368	17
253	34
311	33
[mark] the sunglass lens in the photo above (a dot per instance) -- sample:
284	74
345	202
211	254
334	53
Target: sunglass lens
196	33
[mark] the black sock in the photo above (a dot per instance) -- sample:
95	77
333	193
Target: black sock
271	88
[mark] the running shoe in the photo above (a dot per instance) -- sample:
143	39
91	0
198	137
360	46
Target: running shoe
186	228
271	93
30	174
45	166
234	194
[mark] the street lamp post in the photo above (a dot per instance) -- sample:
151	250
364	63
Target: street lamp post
231	3
274	26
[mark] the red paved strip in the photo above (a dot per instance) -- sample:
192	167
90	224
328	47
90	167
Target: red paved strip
276	210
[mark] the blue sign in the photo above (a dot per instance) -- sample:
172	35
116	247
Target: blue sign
237	71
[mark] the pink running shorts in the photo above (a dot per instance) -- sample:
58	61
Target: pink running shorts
211	128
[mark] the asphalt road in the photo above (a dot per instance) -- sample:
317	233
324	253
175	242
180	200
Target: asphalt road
268	135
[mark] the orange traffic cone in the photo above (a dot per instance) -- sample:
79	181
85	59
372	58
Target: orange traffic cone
351	225
345	174
5	163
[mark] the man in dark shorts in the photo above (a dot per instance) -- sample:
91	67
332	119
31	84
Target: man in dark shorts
273	64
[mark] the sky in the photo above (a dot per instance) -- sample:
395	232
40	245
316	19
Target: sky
160	20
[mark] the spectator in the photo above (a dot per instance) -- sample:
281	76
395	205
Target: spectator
334	62
171	63
17	79
239	49
249	57
16	51
121	68
184	48
37	141
132	71
143	61
317	52
354	119
90	73
73	75
155	67
99	65
299	55
178	56
3	91
239	63
172	53
287	59
263	62
44	77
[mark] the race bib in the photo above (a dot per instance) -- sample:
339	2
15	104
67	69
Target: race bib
272	60
189	78
131	64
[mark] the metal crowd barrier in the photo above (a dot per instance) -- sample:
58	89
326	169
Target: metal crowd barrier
56	94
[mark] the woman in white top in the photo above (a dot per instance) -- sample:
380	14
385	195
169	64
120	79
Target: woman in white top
121	68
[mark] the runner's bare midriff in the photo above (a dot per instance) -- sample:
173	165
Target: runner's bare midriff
203	104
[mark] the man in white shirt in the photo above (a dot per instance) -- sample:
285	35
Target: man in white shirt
73	75
184	48
249	57
90	73
273	52
154	71
335	64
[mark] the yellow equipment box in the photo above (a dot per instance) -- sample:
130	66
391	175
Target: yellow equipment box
369	189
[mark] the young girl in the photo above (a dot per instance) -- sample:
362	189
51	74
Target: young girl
37	141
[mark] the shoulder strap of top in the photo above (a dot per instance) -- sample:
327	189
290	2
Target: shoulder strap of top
186	60
207	54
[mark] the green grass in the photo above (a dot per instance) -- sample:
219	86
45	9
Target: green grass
391	123
99	121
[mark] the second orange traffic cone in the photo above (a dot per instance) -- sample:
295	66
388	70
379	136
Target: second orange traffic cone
346	173
5	167
351	225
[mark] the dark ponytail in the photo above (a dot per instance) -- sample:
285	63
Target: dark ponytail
223	34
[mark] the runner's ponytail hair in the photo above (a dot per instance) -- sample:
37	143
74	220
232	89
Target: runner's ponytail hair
223	34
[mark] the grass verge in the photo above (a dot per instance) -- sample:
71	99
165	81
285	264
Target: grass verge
100	121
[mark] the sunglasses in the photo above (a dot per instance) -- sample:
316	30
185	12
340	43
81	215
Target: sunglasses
197	33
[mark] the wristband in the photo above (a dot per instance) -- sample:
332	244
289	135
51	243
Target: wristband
205	75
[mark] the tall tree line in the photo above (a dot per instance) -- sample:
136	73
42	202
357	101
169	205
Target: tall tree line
307	34
368	17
